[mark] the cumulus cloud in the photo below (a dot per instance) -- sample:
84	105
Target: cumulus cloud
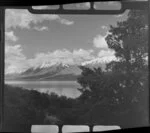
107	55
81	53
10	36
15	60
63	56
24	19
51	58
15	50
104	27
100	42
43	28
103	53
65	21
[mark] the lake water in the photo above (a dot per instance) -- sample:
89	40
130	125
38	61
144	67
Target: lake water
62	88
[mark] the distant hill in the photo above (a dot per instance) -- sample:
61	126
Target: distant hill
56	71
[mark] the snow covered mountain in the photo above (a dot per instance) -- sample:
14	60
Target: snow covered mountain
57	71
98	61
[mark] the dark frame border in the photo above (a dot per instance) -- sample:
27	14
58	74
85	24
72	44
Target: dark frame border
125	5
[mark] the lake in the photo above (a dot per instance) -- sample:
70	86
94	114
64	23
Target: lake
61	88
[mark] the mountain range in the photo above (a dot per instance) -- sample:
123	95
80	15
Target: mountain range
55	71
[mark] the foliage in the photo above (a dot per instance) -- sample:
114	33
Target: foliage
129	40
125	84
24	108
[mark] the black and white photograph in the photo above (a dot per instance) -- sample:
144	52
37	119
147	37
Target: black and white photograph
77	70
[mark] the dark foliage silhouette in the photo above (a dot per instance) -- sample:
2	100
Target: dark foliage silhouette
120	95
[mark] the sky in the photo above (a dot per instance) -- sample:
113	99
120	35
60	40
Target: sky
31	40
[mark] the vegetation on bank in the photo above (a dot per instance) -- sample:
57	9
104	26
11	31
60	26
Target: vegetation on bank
116	97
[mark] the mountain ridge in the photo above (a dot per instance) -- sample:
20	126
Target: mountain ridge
56	71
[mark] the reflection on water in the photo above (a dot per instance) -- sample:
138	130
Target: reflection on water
62	88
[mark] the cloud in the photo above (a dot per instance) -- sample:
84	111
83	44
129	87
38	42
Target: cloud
15	60
14	51
63	56
104	27
83	53
51	58
41	28
107	55
10	36
100	42
24	19
65	21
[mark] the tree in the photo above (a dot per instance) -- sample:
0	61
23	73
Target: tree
129	40
93	83
124	86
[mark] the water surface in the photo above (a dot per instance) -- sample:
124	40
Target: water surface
62	88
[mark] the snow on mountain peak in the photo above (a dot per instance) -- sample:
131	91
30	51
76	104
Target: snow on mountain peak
46	64
101	60
50	64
